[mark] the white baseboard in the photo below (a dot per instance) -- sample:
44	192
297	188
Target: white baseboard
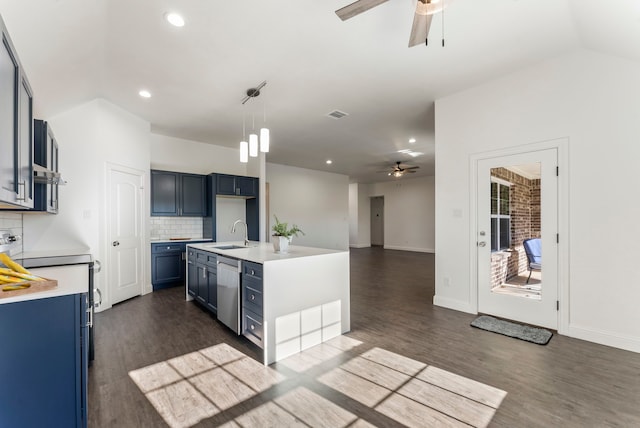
603	337
359	245
418	250
456	305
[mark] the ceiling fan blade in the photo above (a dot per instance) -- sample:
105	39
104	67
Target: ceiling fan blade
411	167
356	8
420	29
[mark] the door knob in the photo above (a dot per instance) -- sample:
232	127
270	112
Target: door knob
482	244
115	243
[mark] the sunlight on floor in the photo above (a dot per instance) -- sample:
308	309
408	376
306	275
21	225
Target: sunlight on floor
199	385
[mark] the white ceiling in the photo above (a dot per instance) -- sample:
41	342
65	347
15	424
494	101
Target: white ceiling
77	50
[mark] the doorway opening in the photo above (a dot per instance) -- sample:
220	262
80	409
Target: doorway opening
515	231
377	221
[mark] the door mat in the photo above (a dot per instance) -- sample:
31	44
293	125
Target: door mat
536	335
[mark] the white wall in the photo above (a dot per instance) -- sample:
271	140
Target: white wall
409	213
177	154
594	100
90	136
318	202
359	222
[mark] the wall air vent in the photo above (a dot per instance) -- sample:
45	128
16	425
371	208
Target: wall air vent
337	114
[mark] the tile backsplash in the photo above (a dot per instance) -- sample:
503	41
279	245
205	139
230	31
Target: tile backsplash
176	227
13	222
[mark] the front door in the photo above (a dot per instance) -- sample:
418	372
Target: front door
518	200
125	233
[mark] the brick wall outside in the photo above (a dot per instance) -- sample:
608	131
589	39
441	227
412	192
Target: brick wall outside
525	221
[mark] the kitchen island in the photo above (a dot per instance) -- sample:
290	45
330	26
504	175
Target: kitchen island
287	302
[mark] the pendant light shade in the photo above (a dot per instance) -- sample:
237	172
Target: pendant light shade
253	145
264	140
244	152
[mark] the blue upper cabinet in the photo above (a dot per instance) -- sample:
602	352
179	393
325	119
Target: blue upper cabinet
45	154
234	185
192	195
177	194
16	129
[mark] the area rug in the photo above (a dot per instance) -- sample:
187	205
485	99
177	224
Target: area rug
536	335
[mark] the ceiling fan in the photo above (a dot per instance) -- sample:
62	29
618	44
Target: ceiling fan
425	9
399	171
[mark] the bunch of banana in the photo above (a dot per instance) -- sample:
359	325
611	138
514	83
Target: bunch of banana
14	275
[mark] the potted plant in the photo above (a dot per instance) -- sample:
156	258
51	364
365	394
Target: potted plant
282	235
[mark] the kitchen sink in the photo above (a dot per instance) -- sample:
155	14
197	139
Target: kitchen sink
227	247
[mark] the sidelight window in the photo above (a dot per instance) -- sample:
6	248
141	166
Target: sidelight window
500	215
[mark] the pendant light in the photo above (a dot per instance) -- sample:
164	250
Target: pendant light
264	131
262	143
244	146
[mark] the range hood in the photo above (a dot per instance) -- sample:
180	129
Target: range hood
44	175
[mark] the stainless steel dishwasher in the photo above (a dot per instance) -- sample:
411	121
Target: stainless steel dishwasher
229	292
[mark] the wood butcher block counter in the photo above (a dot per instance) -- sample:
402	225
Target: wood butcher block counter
303	295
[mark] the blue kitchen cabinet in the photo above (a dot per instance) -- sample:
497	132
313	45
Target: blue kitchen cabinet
45	154
167	265
192	195
252	302
16	129
192	273
235	185
202	278
177	194
43	362
164	193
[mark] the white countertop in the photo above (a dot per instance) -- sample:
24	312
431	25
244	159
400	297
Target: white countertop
71	280
51	253
262	252
169	241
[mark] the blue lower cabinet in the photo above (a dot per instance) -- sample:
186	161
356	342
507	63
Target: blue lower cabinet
44	362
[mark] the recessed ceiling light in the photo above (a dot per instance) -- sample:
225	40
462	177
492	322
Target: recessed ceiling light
329	161
412	140
174	19
144	93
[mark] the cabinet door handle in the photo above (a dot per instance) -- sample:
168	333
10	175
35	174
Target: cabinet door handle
204	272
23	192
253	297
253	327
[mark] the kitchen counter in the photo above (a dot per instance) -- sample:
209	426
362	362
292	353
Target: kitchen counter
70	281
288	301
54	264
262	252
169	241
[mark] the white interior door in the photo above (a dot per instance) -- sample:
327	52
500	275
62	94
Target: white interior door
517	198
125	233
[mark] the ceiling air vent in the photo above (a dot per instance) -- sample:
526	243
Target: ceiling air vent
337	114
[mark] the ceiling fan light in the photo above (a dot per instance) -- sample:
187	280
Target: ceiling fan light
264	140
244	152
253	145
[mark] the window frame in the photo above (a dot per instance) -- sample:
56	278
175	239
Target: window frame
499	216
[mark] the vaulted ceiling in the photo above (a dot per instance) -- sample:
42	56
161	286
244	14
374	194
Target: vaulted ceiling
77	50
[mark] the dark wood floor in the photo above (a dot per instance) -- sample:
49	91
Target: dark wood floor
568	383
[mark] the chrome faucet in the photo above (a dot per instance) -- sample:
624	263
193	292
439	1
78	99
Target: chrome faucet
246	231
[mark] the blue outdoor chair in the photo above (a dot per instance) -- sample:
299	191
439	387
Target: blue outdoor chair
533	249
